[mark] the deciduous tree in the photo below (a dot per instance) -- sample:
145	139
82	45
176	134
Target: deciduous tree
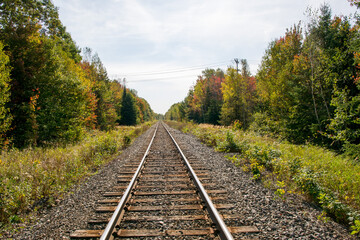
5	117
239	96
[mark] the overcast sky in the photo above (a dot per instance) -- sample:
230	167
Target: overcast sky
161	46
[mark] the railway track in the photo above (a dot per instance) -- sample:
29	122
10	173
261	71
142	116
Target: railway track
162	196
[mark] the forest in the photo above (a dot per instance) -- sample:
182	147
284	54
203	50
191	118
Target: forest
61	116
306	90
51	91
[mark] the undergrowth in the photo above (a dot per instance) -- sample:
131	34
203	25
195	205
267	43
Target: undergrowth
331	181
34	177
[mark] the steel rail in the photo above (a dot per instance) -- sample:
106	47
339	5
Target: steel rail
107	234
223	231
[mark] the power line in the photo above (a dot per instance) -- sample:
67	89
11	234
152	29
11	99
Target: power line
159	79
185	69
132	77
170	74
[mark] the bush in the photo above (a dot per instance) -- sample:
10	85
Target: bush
229	144
353	151
264	125
33	177
330	180
5	118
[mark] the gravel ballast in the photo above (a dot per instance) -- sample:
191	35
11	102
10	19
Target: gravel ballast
78	207
255	204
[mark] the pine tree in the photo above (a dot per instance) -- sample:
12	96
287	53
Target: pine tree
128	109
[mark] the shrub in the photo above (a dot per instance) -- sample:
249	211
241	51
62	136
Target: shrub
330	180
33	177
229	144
353	151
264	125
5	118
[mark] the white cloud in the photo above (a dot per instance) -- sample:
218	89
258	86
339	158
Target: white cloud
146	36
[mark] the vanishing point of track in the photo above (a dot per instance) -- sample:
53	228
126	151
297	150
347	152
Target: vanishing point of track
162	196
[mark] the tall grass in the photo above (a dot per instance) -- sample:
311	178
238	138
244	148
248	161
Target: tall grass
330	180
35	177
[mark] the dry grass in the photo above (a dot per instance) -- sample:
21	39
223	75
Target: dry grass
34	177
330	180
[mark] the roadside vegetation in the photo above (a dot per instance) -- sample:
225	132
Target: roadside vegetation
330	180
294	124
35	177
61	116
306	89
52	91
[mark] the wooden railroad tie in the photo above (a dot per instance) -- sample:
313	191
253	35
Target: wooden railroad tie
161	208
158	233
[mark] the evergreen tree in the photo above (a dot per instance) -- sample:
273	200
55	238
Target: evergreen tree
128	109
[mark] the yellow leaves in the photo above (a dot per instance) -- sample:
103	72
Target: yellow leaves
34	38
36	162
355	228
280	192
300	63
33	99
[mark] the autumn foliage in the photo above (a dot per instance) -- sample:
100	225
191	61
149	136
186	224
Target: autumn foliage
50	92
306	88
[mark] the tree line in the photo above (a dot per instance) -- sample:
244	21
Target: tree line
307	88
50	90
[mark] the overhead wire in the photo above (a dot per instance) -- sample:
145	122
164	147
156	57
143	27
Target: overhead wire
159	79
176	69
170	73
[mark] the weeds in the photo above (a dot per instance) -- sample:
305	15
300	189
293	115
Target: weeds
331	181
355	228
280	191
323	217
229	144
34	177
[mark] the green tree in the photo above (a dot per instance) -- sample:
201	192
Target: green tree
5	117
239	96
33	14
344	67
62	96
117	94
310	87
49	94
177	112
145	113
278	86
329	49
128	109
27	57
